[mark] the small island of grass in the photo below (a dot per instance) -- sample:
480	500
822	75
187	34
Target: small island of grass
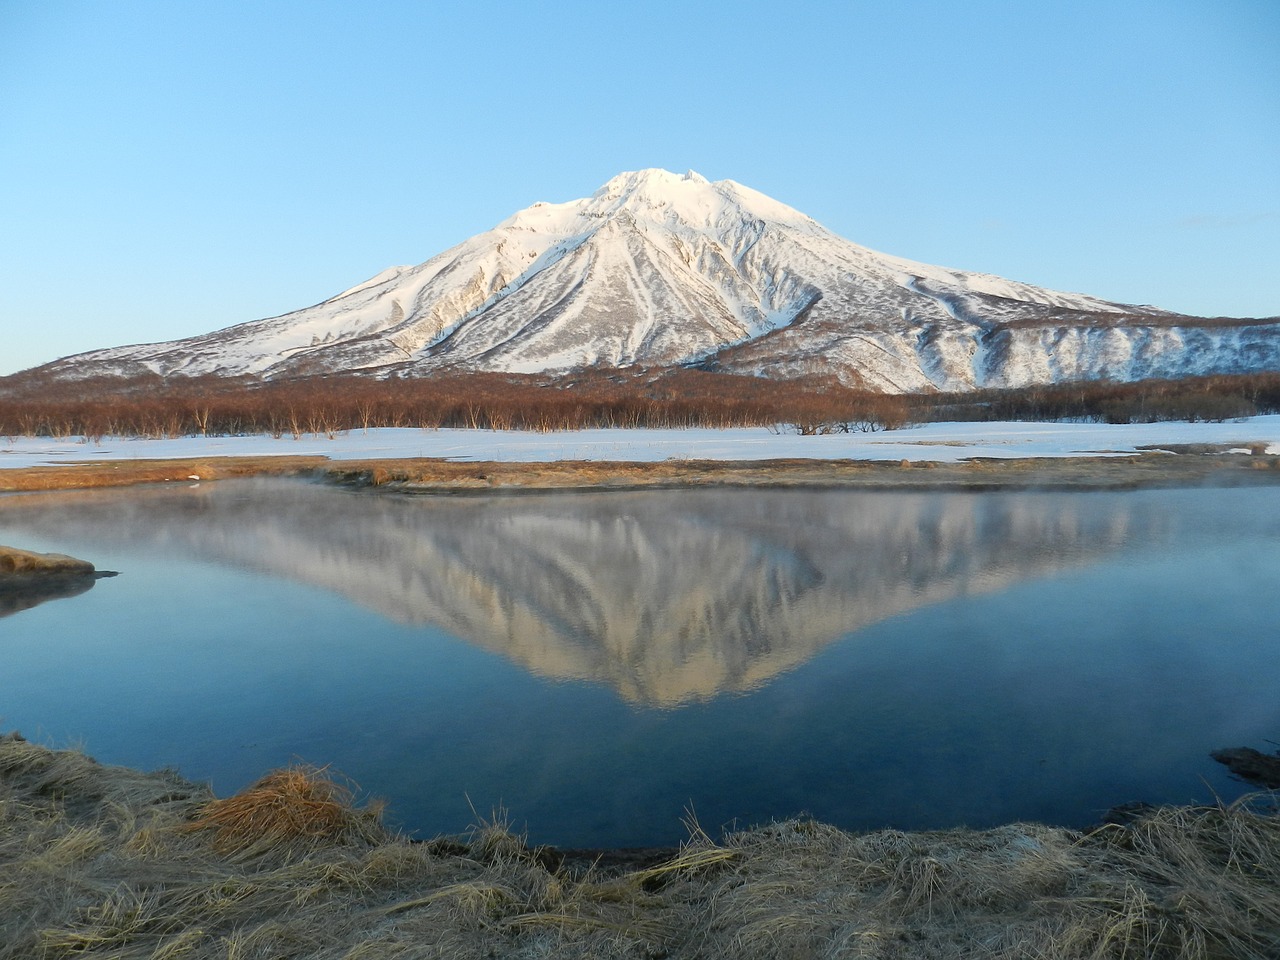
28	578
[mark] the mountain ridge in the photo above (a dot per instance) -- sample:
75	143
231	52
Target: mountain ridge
661	269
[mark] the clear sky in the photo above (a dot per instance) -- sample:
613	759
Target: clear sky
168	168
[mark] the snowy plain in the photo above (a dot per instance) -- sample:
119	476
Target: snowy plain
948	442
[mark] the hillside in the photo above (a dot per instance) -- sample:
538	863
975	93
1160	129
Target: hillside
656	269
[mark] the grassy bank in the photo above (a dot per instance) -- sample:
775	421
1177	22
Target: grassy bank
1126	472
1148	469
24	563
122	473
100	861
28	579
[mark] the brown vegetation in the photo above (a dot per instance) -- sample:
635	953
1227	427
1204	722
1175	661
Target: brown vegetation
1216	398
153	406
422	475
179	406
24	563
120	473
300	808
104	862
28	579
1123	472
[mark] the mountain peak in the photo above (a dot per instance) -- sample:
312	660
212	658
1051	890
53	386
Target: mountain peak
653	180
659	268
657	195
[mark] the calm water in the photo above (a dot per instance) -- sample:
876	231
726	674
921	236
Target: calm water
598	663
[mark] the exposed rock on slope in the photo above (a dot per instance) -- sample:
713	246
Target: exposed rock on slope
656	269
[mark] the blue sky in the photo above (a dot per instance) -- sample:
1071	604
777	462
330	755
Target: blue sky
169	168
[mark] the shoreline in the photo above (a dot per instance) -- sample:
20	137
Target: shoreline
422	475
113	862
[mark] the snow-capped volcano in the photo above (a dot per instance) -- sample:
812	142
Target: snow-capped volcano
656	268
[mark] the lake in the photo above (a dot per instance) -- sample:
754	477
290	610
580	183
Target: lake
598	664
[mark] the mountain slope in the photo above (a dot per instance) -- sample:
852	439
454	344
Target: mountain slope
659	269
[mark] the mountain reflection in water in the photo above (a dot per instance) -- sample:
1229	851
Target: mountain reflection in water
667	599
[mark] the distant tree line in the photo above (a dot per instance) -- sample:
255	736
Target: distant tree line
153	406
1213	398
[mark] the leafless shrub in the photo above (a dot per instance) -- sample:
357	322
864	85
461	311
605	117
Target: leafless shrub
668	398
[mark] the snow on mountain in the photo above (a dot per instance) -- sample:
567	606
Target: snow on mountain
656	268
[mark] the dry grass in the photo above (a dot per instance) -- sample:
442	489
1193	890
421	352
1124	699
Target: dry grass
105	862
297	808
18	562
119	473
443	476
1126	472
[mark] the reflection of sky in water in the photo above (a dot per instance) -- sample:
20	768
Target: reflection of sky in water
1026	688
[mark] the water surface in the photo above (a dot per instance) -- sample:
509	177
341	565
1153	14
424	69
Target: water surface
597	663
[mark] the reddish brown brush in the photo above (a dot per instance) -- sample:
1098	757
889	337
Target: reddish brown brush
286	808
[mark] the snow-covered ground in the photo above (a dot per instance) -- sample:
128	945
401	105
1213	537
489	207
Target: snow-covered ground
940	441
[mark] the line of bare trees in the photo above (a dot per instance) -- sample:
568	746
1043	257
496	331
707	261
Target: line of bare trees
152	406
1213	398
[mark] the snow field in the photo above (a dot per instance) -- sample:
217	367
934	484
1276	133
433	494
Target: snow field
948	442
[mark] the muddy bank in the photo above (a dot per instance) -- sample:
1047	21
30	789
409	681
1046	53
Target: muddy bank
108	862
1251	766
1156	468
1101	473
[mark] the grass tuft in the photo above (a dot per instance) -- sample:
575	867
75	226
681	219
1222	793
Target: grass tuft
300	807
